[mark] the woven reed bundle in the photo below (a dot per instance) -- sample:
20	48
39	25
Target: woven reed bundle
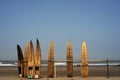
84	60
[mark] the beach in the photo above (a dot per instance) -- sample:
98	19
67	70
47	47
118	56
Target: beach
95	73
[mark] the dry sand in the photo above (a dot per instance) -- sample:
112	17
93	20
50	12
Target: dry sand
95	73
62	78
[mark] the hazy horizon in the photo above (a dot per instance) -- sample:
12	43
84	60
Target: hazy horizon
95	21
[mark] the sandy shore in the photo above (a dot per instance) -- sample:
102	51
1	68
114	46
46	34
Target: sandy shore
62	78
95	73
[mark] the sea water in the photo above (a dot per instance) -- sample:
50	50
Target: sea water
58	63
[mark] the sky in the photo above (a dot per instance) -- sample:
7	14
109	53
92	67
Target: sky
95	21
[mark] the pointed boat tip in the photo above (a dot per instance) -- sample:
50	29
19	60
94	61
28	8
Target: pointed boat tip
69	42
31	44
30	41
84	41
51	41
18	46
27	42
37	41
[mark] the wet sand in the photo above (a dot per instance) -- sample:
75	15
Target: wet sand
95	73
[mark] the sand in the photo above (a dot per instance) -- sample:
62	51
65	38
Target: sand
95	73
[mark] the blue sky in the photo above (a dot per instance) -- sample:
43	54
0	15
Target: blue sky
95	21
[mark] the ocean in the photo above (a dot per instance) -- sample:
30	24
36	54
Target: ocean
63	63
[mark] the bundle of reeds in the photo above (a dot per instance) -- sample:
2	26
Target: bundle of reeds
69	60
51	60
20	61
26	55
38	60
84	61
31	61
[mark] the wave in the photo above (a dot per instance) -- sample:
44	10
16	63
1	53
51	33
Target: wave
45	63
3	64
64	64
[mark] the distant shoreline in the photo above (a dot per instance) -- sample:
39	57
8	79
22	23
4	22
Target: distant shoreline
45	63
